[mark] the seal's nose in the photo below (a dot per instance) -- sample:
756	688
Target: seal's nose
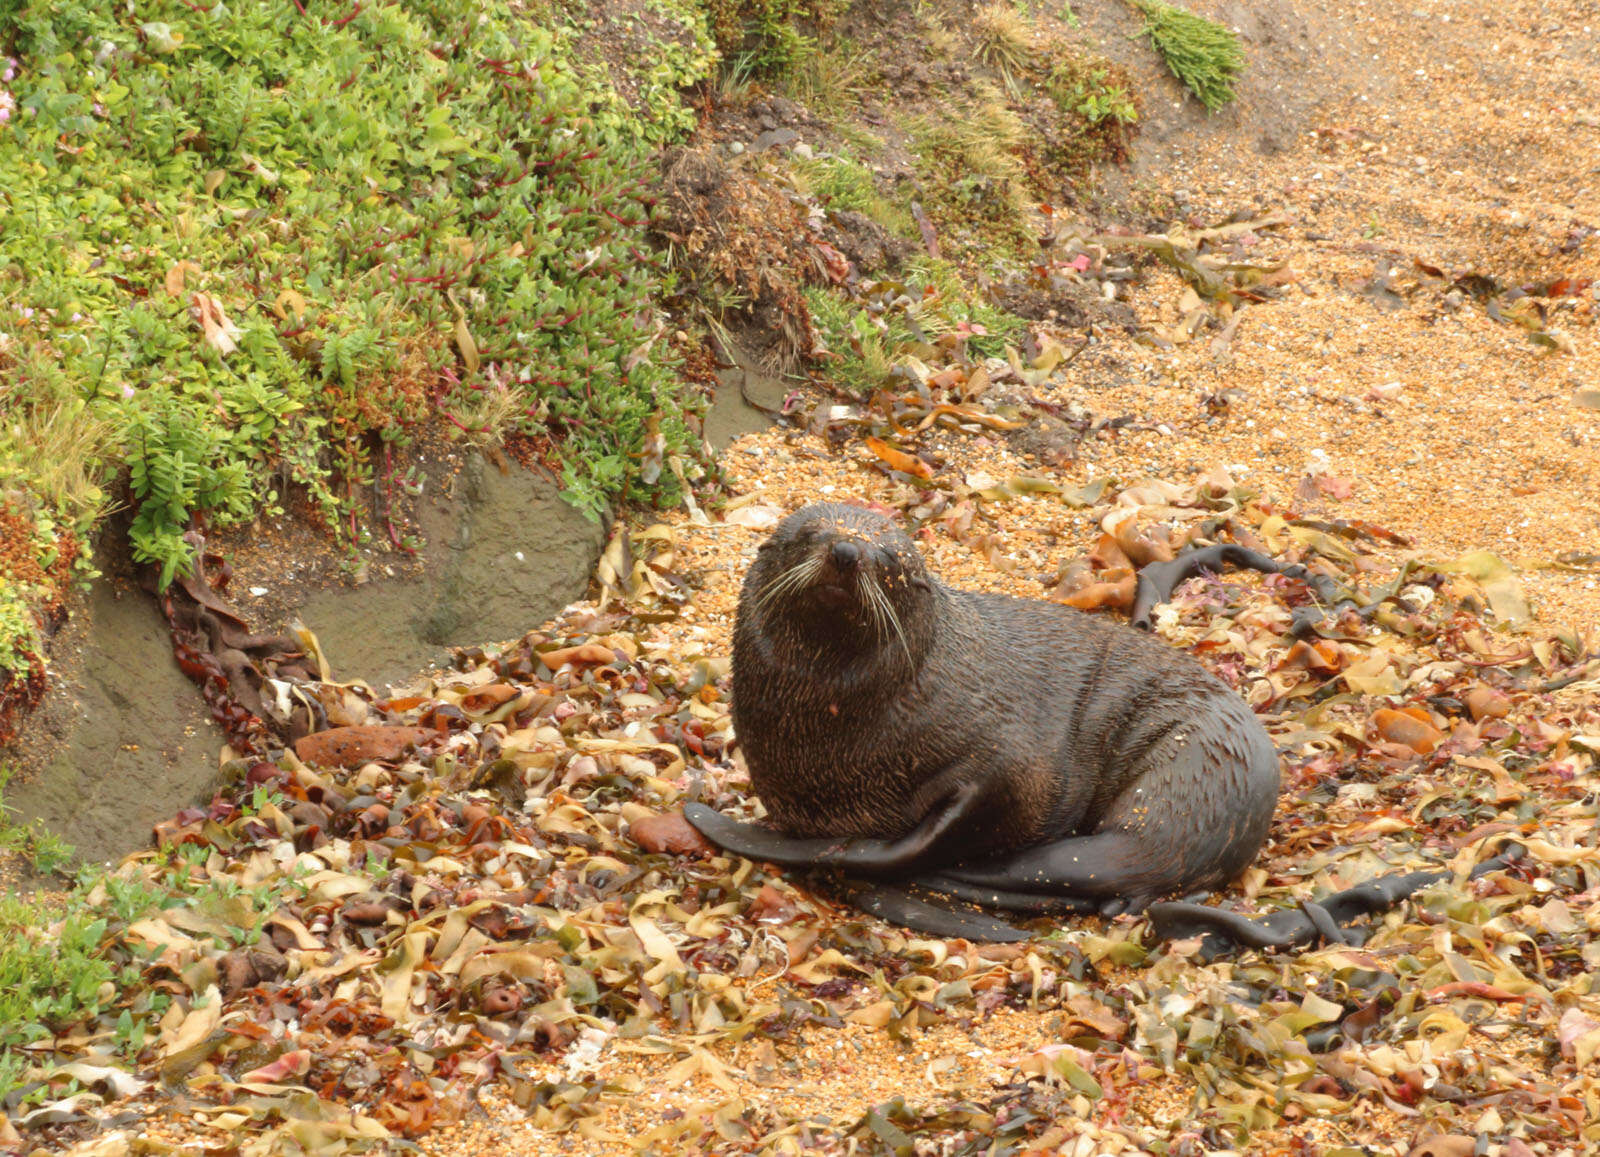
846	555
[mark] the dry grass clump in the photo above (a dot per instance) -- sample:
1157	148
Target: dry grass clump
973	160
830	81
982	141
52	442
1003	39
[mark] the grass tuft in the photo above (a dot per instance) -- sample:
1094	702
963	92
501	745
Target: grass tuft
1201	53
868	337
972	164
830	81
759	38
843	184
52	441
1003	40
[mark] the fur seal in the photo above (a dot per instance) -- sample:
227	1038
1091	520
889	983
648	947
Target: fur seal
1007	752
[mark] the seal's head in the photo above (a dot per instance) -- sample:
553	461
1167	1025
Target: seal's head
835	579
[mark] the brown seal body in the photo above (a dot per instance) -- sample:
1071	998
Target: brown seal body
993	747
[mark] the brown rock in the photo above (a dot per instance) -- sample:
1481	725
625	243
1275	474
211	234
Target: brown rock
365	912
669	832
489	697
1486	703
354	746
1408	729
587	655
246	968
373	821
772	906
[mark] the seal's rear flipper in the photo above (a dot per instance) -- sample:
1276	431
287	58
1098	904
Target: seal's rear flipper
1222	932
886	901
899	906
1157	580
1032	903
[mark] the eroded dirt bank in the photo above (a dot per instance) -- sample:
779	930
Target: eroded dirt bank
123	739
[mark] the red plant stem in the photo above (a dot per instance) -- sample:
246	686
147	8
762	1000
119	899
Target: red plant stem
406	236
388	501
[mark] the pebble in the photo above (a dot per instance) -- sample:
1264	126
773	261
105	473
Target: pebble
773	137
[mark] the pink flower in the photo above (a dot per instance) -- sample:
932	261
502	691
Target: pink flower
127	393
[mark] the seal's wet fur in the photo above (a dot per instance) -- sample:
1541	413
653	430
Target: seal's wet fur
1001	749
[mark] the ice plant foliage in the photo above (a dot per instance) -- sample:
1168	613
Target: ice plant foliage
263	235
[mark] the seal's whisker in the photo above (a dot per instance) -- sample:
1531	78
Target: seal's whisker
792	579
884	614
867	594
894	621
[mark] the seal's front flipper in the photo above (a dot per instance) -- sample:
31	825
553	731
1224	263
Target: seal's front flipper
930	842
755	842
886	901
1157	580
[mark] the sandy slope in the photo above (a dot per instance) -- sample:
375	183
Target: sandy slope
1467	141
